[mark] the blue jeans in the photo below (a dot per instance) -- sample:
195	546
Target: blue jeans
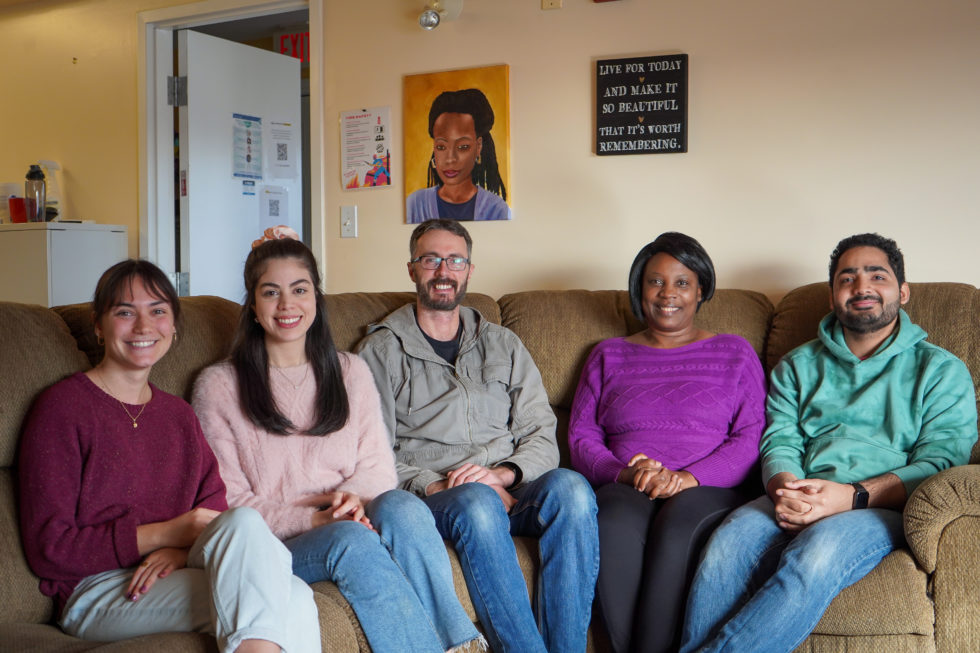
398	580
760	588
559	509
238	585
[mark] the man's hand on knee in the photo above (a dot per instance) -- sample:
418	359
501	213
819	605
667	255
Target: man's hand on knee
824	498
498	478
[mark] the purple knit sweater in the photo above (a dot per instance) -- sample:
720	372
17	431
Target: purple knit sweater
699	408
87	479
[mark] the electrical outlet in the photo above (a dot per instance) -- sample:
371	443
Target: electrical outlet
551	4
348	221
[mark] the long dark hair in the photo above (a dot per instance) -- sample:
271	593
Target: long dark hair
251	361
471	101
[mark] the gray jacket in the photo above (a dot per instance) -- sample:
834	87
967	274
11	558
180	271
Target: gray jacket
490	408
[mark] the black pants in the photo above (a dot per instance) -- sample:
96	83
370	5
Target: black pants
648	553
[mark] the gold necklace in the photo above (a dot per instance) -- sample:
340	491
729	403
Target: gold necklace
296	386
121	404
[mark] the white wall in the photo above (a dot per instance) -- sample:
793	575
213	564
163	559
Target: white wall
808	122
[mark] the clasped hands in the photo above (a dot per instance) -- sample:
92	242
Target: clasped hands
337	506
499	478
650	477
801	502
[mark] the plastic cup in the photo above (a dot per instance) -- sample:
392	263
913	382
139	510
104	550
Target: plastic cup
18	209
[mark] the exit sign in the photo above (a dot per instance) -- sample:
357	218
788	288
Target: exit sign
293	44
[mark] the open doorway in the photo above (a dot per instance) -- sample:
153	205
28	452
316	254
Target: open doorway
156	36
239	148
286	33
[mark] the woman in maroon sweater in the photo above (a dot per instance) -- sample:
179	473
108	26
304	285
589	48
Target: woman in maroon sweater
123	513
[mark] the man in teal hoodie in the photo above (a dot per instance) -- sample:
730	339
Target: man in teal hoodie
857	419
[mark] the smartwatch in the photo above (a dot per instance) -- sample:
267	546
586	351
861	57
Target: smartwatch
860	497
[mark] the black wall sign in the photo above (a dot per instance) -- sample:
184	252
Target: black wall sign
641	105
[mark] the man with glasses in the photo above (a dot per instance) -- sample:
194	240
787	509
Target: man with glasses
474	436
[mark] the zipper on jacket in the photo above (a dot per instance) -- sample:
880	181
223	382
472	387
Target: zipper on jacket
466	393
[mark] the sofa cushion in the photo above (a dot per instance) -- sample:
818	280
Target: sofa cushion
37	351
50	639
349	314
21	600
891	600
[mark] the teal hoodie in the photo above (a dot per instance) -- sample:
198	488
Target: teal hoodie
909	409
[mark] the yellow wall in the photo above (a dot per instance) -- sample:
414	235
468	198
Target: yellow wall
68	89
808	122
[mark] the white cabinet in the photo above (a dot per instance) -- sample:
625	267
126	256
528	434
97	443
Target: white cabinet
55	263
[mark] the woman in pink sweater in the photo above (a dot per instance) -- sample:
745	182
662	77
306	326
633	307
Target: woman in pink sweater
298	433
122	511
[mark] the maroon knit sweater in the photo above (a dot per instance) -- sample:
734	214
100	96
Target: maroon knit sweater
87	479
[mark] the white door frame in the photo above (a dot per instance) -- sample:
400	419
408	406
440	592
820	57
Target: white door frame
155	59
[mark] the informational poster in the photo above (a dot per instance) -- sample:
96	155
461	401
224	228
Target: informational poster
284	150
246	159
274	209
365	148
641	105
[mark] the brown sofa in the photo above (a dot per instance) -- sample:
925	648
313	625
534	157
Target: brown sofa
919	599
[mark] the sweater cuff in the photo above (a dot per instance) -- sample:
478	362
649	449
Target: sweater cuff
606	472
772	467
125	542
422	480
518	474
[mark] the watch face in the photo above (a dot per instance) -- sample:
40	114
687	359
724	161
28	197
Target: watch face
860	496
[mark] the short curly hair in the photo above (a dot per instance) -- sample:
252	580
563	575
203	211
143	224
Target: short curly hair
895	259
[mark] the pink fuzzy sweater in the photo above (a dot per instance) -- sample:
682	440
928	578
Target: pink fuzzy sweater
282	476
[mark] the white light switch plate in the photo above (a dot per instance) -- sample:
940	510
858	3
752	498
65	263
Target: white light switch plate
348	221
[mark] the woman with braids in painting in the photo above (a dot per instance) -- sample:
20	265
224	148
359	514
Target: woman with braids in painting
464	182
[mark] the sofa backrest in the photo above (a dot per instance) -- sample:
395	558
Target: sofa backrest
203	337
560	328
350	314
36	350
949	313
40	346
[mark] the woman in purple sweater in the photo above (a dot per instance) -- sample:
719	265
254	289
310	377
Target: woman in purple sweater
122	511
666	422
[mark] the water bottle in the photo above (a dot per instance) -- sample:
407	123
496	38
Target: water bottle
34	194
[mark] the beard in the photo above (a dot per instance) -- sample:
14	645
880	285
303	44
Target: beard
440	304
867	322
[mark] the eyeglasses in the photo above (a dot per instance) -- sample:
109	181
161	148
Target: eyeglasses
453	263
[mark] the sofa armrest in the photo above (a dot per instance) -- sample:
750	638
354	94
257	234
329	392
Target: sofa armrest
936	504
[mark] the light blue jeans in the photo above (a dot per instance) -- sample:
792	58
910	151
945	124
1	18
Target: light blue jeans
760	588
398	580
559	509
238	585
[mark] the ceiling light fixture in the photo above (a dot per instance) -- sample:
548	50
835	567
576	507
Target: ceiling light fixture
437	11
